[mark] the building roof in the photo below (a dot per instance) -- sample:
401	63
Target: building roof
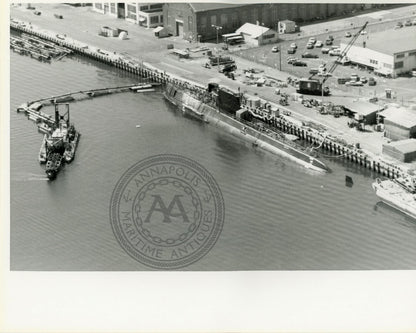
253	30
361	107
400	116
404	146
206	6
287	21
389	41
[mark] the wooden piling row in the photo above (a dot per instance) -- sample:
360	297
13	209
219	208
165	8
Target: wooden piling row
328	144
150	74
153	75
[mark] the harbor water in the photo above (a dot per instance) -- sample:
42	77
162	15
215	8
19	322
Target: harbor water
278	215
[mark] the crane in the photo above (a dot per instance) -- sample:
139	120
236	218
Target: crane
313	86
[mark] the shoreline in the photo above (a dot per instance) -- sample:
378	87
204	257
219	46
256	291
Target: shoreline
152	73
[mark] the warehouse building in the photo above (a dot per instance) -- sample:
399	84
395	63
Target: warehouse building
195	21
148	15
399	123
389	53
110	8
403	150
257	35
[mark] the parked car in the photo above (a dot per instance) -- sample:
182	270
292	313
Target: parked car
328	42
309	46
354	83
363	32
348	34
291	50
343	80
324	74
299	63
312	40
319	43
291	60
354	77
314	71
330	37
363	79
275	49
325	50
344	61
408	23
414	22
293	46
372	81
398	25
335	52
309	55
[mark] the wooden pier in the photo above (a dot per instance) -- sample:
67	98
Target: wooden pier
335	147
332	145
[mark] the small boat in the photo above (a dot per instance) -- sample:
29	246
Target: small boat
137	126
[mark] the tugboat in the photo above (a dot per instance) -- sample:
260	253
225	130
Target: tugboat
59	146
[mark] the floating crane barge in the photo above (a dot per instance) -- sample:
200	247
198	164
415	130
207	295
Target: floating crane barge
60	138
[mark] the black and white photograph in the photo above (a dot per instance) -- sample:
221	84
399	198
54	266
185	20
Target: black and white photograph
212	138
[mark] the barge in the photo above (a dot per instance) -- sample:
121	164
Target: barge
60	139
223	109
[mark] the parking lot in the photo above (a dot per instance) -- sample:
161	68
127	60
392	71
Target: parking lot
403	87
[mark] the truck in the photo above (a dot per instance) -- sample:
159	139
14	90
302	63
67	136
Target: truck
221	60
312	87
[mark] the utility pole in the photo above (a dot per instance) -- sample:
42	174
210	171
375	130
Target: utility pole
218	28
280	58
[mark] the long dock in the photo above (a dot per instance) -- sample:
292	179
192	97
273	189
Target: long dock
152	74
335	147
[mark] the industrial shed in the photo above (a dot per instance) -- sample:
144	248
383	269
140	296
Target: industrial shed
399	123
403	150
287	27
257	35
362	111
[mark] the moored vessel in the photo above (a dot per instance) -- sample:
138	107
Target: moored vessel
398	193
60	145
223	109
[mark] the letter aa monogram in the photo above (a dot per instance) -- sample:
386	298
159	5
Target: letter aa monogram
159	205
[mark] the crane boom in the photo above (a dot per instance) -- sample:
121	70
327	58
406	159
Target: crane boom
313	86
345	51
